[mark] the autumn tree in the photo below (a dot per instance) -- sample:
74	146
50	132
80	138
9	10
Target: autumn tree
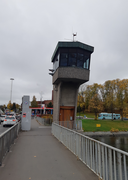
87	94
81	98
34	102
17	106
3	107
122	93
14	107
50	105
95	103
9	105
109	95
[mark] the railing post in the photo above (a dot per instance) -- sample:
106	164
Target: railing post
119	165
99	160
125	167
91	154
102	159
114	165
84	149
2	150
96	158
103	163
9	141
110	164
106	162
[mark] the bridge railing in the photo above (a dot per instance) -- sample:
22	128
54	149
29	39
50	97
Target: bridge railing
77	125
7	139
107	162
44	121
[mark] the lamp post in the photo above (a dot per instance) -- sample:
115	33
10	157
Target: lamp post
11	89
41	102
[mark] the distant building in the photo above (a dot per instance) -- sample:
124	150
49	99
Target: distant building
45	102
42	107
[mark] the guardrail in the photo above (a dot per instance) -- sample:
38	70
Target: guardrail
107	162
77	125
44	121
7	139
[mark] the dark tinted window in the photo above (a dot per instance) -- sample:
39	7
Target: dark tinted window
80	59
86	62
64	59
72	59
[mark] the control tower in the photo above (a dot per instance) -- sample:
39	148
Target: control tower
71	68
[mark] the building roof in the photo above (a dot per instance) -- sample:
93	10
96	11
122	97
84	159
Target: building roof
40	108
73	44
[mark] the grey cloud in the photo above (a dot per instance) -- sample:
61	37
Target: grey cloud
30	30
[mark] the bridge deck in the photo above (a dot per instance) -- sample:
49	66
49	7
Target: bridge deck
37	155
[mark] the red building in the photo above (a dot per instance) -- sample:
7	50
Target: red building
42	107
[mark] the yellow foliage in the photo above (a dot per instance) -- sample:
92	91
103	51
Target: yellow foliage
114	130
9	106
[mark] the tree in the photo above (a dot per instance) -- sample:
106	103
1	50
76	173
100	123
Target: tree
34	102
50	105
80	102
122	92
3	107
9	106
81	98
87	94
17	106
110	98
14	107
95	103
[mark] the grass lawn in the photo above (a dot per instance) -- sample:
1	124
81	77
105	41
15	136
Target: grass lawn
89	115
106	125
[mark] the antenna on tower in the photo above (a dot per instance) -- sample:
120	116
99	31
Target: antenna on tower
74	34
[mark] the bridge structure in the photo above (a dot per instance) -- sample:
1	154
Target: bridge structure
58	152
37	154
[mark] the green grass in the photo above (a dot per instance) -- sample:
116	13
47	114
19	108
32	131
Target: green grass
89	125
89	115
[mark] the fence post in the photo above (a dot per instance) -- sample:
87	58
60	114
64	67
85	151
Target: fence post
2	150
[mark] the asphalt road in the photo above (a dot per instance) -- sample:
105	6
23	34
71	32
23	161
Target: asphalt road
3	129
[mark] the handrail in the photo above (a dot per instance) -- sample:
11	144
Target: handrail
7	139
113	148
108	162
7	130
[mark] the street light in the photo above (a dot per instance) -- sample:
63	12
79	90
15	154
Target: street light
11	89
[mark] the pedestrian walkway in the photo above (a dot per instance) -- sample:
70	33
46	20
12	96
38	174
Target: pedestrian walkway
38	155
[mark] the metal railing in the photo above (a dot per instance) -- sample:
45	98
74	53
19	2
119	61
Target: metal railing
44	121
7	139
107	162
77	125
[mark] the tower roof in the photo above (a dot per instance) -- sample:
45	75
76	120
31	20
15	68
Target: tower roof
73	44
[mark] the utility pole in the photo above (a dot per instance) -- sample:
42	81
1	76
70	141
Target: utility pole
11	90
41	100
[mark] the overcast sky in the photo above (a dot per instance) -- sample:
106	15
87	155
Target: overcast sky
31	29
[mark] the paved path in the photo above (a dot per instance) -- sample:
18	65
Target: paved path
37	155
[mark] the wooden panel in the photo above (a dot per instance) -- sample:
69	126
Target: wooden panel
67	107
66	113
61	115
